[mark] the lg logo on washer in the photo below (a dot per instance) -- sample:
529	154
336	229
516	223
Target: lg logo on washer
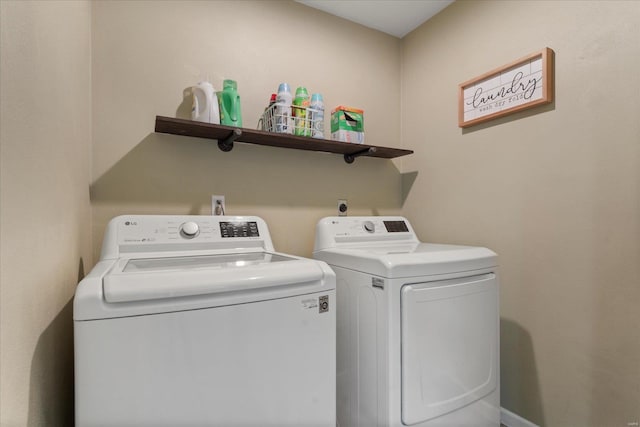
322	303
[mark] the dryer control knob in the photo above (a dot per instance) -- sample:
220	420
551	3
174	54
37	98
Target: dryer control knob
369	226
189	230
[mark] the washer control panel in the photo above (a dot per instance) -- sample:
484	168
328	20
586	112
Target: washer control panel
133	233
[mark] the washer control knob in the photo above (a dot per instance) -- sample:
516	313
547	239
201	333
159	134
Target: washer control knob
369	226
189	230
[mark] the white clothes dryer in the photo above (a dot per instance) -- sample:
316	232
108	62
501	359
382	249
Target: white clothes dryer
417	326
197	321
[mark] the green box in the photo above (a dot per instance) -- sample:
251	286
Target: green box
347	124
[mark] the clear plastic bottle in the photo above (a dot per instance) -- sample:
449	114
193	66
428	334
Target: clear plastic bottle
272	100
283	108
316	116
269	115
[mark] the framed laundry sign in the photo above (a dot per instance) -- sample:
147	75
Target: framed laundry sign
517	86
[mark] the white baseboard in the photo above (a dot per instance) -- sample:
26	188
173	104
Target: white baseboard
510	419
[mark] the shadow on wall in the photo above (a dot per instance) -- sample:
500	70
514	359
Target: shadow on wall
51	387
519	385
407	181
183	170
184	109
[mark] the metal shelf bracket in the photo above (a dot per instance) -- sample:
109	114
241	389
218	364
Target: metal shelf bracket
227	143
349	158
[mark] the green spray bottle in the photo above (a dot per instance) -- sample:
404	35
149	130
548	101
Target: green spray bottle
229	100
300	105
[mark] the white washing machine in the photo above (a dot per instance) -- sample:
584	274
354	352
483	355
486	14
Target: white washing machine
197	321
417	326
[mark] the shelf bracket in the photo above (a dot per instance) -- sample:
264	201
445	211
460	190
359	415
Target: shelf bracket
227	143
349	158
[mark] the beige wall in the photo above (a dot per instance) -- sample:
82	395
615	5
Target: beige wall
44	203
160	49
555	191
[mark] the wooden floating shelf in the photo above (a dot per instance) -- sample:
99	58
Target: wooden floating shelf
227	135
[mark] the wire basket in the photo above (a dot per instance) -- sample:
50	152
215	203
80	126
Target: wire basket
292	120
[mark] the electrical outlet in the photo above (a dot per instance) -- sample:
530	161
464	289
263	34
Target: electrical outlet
342	207
217	205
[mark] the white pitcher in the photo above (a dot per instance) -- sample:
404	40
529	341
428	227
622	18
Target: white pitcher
205	104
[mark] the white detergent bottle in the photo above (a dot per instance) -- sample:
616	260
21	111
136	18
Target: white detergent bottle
205	104
283	108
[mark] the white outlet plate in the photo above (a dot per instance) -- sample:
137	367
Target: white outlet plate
217	205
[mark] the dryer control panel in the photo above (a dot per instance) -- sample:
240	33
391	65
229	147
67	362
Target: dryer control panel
335	231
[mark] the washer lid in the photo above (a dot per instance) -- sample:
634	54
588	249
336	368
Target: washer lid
181	263
409	260
171	277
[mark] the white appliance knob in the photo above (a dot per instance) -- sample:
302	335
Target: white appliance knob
189	229
369	226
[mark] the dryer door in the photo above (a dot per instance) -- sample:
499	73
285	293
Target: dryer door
449	345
